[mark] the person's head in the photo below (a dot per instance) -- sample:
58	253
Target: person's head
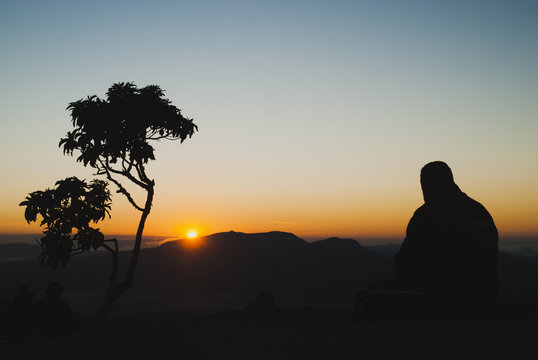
436	178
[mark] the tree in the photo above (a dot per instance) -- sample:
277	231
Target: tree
72	204
114	136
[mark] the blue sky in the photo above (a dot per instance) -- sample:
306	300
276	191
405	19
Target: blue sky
315	116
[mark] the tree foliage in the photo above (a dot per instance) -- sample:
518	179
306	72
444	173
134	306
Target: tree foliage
119	127
70	207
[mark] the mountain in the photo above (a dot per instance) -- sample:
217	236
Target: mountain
231	268
227	270
16	252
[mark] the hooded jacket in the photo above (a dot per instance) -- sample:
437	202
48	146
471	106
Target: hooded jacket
451	250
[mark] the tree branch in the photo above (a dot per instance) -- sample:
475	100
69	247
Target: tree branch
114	253
112	291
126	169
160	137
141	173
121	189
126	174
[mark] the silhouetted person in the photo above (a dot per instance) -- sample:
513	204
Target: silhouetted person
18	323
450	249
53	313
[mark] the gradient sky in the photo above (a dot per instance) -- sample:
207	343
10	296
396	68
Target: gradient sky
315	117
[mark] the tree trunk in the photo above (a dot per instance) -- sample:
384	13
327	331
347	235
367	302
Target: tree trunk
109	296
115	289
138	240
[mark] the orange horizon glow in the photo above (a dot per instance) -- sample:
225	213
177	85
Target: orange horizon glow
505	231
376	215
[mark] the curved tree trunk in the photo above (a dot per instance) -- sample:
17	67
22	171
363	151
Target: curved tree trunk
115	289
138	240
109	296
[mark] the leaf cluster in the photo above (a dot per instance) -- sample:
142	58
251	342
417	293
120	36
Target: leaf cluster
71	206
121	126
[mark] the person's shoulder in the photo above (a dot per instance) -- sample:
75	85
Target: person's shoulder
420	216
477	213
422	210
470	202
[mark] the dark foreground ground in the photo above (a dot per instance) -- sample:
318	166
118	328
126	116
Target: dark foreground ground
307	333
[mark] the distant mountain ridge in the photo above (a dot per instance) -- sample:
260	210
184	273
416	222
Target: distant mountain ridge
15	251
242	264
227	270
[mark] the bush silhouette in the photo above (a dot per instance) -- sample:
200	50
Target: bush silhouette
72	204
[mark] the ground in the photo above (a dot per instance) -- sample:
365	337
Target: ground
294	334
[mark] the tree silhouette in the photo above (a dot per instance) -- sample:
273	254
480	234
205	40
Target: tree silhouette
114	136
72	204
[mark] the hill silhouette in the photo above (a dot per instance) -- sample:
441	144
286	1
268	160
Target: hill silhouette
16	252
231	268
227	270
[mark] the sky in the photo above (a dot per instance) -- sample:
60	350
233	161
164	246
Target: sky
315	117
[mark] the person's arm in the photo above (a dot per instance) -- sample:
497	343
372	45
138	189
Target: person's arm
409	261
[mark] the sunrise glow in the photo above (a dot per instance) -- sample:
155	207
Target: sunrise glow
192	234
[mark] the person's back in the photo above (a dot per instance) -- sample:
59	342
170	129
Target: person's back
450	247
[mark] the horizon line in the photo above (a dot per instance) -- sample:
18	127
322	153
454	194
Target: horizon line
310	237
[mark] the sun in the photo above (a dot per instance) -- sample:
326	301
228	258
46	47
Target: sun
192	240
